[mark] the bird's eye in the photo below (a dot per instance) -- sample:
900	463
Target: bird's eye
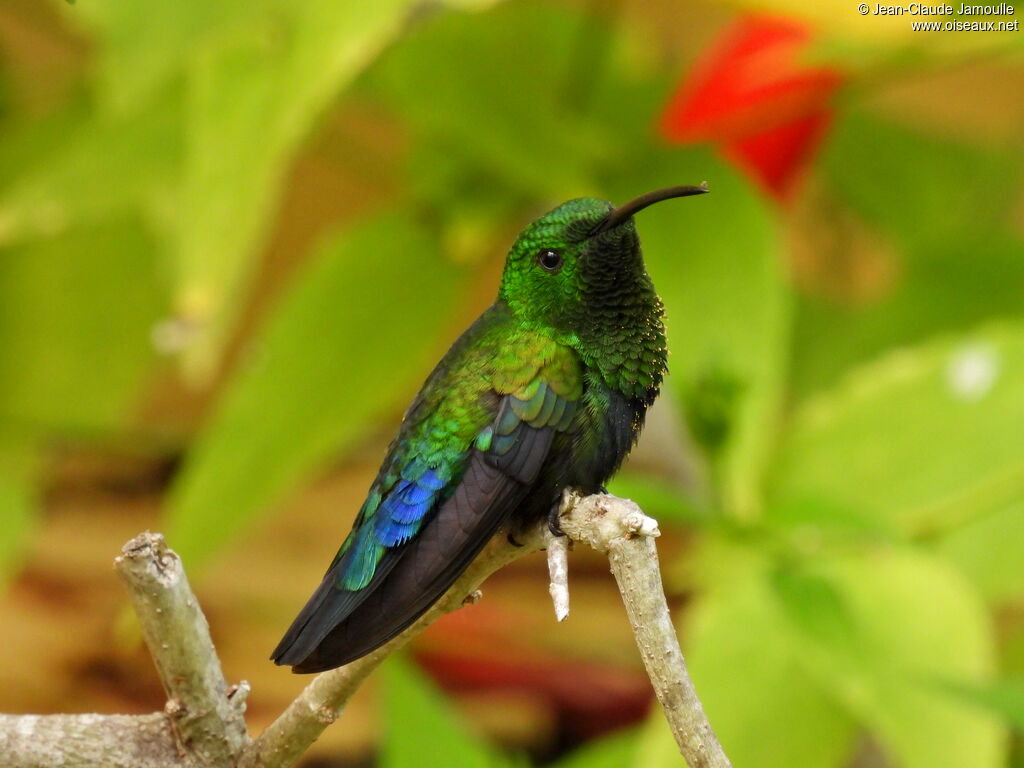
549	261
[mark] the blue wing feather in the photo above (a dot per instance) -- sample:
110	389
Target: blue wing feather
393	515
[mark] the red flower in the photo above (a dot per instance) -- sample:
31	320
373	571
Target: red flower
754	95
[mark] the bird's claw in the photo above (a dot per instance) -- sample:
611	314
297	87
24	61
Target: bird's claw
553	520
512	539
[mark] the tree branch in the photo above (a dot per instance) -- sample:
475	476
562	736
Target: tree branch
558	573
89	741
619	527
203	723
208	719
323	700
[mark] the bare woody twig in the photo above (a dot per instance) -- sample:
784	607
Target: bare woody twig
208	719
89	741
558	572
619	527
203	723
322	701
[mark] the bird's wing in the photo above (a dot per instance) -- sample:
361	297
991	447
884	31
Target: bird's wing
432	510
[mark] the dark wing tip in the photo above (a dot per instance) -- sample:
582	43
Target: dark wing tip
308	667
284	654
325	608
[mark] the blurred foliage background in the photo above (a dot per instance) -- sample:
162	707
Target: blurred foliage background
234	237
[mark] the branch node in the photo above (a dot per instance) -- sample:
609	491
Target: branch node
238	693
639	524
175	709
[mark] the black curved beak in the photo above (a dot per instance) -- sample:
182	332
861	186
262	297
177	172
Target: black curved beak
623	212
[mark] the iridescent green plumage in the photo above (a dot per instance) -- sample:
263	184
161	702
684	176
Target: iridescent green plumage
547	389
454	413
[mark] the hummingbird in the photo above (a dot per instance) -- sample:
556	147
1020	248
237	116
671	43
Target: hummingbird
546	390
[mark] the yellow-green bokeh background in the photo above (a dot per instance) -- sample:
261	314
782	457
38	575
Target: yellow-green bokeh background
234	237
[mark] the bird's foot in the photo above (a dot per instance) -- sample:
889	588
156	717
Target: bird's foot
512	539
553	519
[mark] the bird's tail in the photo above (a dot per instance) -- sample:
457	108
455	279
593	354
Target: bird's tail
337	626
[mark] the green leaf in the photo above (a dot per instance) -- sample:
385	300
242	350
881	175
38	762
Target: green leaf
816	608
144	44
76	316
717	263
523	134
614	751
93	167
909	619
898	182
903	180
829	524
28	140
766	707
251	100
989	550
792	660
924	438
255	77
935	289
356	332
420	727
17	507
1005	698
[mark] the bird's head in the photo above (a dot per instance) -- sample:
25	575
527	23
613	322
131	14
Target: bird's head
577	259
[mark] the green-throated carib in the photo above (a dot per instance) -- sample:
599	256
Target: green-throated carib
546	390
